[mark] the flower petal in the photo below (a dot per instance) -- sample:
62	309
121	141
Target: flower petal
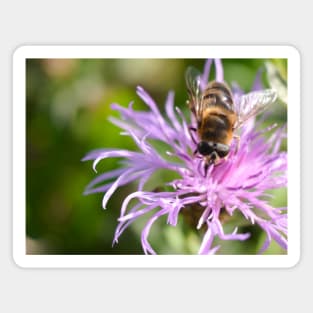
145	233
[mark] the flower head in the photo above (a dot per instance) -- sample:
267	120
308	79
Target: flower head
239	183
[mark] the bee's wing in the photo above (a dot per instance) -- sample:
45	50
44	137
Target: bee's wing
193	77
253	103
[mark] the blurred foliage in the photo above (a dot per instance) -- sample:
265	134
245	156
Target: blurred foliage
68	105
277	77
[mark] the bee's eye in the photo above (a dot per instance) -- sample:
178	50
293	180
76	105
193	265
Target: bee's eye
222	150
222	154
204	148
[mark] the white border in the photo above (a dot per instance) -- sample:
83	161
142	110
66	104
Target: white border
161	261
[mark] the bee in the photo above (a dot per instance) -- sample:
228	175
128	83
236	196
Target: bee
218	115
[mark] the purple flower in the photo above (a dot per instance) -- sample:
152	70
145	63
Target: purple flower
238	183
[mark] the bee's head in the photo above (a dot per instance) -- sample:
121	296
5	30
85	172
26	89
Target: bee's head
206	148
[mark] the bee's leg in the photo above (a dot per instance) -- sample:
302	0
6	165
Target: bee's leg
237	137
206	167
213	159
191	135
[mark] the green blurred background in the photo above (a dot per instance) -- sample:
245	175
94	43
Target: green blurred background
68	104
